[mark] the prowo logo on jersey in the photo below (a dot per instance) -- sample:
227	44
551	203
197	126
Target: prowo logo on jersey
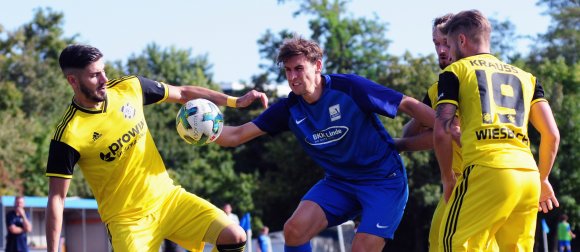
123	143
328	135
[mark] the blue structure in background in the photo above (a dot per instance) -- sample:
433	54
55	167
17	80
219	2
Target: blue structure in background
82	226
40	202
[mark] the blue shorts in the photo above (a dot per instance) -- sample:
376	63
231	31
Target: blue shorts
562	243
380	203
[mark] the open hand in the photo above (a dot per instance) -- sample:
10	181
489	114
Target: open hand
547	197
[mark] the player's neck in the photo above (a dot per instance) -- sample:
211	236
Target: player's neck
317	92
479	49
87	104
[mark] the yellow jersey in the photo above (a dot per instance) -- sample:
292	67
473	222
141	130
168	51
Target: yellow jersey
494	100
114	149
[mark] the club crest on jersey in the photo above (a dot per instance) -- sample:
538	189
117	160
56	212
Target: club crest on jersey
128	111
334	111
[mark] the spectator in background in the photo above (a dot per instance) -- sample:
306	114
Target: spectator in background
228	209
565	234
264	242
17	225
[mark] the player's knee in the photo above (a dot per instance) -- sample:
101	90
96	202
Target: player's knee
293	233
232	234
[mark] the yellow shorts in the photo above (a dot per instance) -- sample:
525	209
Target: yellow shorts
436	221
184	218
491	202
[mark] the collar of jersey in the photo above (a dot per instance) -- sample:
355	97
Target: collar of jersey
103	108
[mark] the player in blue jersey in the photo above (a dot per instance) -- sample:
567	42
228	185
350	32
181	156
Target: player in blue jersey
334	118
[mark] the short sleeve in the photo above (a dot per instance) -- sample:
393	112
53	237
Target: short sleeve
538	91
448	88
61	160
367	94
274	119
153	91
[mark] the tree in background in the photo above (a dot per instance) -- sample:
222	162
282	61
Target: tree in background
557	65
32	90
563	35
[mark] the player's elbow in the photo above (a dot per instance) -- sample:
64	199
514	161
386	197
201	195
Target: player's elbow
422	113
13	229
552	137
549	134
411	128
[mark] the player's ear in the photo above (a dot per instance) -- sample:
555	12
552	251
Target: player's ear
462	39
72	80
318	66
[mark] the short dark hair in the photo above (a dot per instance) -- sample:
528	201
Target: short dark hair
78	56
471	23
441	20
299	46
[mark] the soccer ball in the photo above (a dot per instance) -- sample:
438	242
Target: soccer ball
199	122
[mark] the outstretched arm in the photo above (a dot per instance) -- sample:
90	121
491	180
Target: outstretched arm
57	190
543	120
232	136
182	94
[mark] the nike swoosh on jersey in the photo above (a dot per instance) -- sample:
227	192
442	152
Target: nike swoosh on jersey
300	120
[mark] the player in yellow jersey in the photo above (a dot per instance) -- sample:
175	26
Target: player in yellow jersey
418	137
104	131
501	188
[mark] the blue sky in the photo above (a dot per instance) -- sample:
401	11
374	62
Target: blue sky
228	30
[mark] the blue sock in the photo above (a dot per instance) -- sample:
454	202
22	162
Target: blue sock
302	248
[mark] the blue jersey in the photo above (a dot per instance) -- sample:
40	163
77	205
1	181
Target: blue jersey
341	131
16	242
